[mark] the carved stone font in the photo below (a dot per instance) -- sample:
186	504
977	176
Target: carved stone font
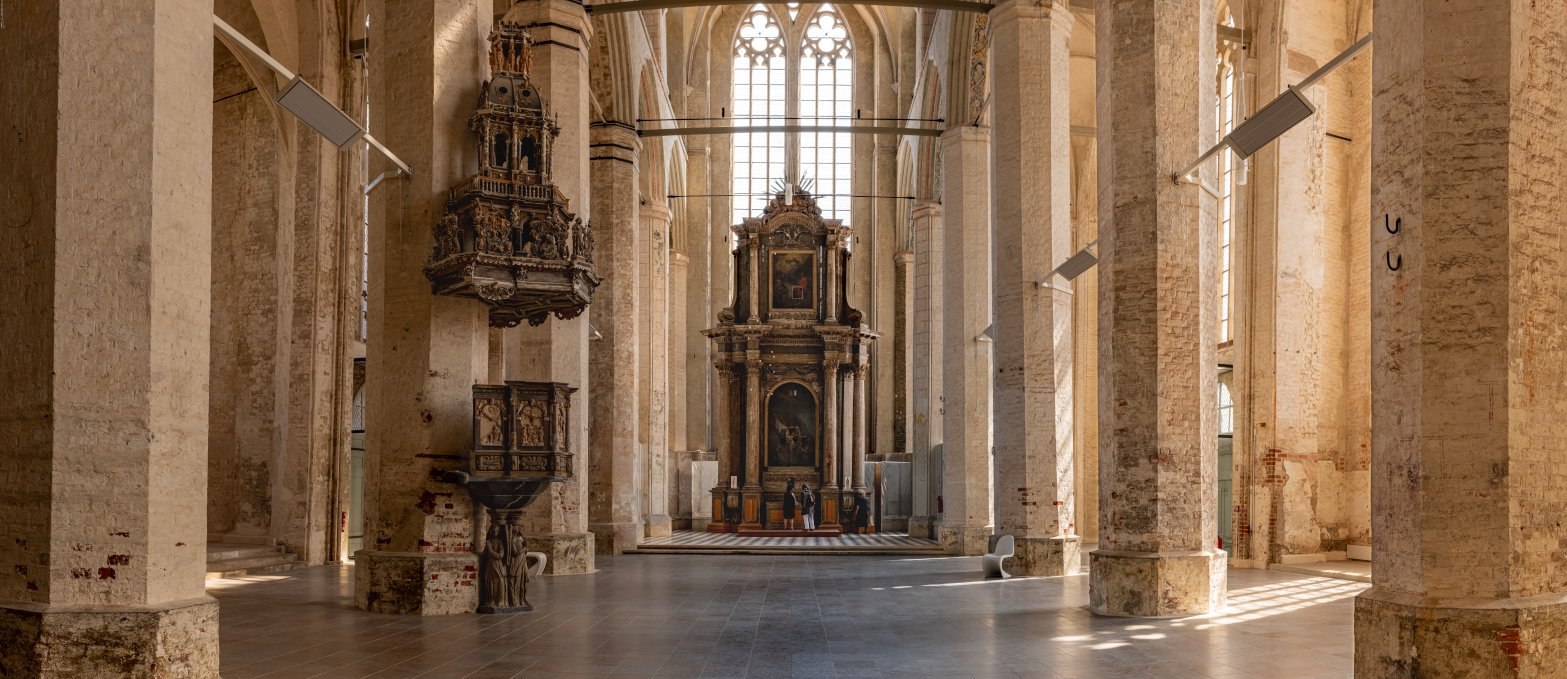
508	237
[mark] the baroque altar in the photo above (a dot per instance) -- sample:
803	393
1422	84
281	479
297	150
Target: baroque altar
792	356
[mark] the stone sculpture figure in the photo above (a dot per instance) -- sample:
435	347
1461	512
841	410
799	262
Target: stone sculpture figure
491	229
446	243
497	583
582	248
490	417
517	566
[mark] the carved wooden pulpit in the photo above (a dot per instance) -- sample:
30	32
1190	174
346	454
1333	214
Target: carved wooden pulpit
792	357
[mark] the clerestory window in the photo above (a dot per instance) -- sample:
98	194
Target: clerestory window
793	65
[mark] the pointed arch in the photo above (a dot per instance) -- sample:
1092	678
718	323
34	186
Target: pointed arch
758	96
826	96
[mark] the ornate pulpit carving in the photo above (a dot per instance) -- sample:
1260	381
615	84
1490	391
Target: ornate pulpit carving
520	446
508	236
786	349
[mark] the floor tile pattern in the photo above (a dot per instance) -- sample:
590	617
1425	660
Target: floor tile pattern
688	538
812	617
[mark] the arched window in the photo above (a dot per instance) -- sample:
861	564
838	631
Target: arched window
759	80
827	98
1227	116
793	67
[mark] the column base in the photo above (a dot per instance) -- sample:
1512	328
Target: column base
964	540
660	526
1048	556
922	527
569	553
1397	637
1156	584
415	583
615	538
175	639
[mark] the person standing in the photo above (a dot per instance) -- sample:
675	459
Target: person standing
789	505
808	504
862	512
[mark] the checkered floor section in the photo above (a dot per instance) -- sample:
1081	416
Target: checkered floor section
705	540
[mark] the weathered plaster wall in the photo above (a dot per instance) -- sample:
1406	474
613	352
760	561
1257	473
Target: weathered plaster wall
252	247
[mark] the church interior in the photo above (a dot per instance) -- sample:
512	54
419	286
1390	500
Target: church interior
715	338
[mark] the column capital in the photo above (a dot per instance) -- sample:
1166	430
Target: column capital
926	210
557	22
1012	10
613	140
655	212
978	134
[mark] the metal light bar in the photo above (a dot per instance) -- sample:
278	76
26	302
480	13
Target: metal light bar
1284	112
745	129
1278	117
307	104
599	8
1075	265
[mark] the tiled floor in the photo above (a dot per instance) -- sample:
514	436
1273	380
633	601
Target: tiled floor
813	617
848	542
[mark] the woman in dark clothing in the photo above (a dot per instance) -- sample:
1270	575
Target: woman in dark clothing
808	505
788	505
862	512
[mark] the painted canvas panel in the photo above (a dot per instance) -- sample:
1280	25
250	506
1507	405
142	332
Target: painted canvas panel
791	427
794	280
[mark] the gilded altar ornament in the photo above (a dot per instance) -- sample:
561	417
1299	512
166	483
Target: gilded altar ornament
508	237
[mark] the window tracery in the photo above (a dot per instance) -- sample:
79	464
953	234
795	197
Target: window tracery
760	38
793	71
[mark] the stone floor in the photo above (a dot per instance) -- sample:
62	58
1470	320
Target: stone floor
812	617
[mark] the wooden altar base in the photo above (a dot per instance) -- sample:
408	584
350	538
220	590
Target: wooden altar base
783	533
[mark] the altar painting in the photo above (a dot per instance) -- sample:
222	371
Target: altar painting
791	427
794	280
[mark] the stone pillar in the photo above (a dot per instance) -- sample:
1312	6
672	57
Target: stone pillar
925	409
724	441
558	351
653	433
828	493
1158	309
1469	365
701	306
883	298
1032	175
965	526
429	350
751	510
614	474
105	336
846	411
862	424
1085	331
312	496
903	354
679	432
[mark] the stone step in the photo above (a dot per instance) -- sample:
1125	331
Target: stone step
253	570
230	551
229	560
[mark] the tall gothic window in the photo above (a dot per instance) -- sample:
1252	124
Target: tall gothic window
1226	119
793	66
